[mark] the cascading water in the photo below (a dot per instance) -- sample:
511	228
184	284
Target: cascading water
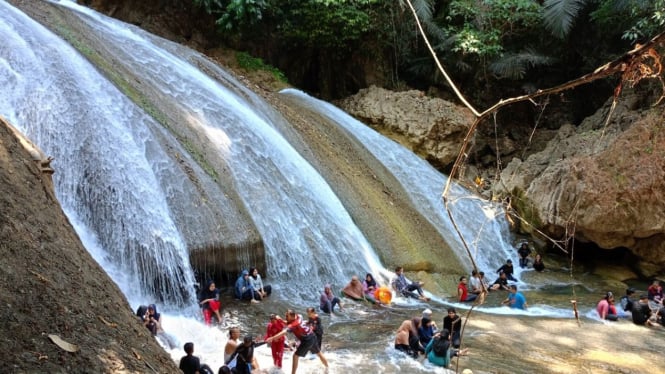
482	224
118	185
105	178
112	181
309	237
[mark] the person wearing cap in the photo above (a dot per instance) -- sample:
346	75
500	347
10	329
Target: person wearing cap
606	309
427	313
515	299
244	289
275	326
508	269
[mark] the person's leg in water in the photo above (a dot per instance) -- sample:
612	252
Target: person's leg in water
416	287
215	306
336	301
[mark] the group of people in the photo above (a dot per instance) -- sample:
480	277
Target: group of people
239	355
248	286
421	336
469	291
648	310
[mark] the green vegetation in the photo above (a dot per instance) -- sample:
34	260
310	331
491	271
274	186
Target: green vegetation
250	63
538	43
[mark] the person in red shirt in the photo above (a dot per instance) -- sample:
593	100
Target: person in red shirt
463	292
302	331
275	326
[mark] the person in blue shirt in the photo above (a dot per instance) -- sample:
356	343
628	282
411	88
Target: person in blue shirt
515	299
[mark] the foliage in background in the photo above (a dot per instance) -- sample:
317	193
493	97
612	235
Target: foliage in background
638	19
481	41
247	62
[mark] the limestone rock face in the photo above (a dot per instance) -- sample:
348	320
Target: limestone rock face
605	181
431	127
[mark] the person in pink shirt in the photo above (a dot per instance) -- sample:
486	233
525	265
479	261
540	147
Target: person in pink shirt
606	309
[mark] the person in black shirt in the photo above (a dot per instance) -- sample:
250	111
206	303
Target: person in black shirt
508	269
190	364
453	323
524	251
641	311
500	283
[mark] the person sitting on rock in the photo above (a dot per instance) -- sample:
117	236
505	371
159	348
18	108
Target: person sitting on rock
507	268
501	283
463	294
152	320
642	312
405	288
655	294
369	287
257	283
354	289
328	300
209	302
244	289
538	264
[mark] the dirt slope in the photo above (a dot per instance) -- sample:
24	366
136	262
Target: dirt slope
49	284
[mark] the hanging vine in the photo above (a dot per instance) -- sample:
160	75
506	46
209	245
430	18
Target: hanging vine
643	62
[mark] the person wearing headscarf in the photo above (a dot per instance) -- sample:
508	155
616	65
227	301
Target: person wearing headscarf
354	289
244	289
152	320
209	302
275	326
369	287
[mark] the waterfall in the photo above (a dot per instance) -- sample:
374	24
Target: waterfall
120	175
110	169
481	223
104	157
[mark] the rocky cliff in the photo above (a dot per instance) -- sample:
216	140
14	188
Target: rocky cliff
599	182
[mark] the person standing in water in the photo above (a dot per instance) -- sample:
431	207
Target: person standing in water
524	251
515	299
304	333
275	326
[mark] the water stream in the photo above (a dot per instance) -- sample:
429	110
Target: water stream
126	199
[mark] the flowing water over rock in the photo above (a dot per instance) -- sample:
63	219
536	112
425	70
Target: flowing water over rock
120	178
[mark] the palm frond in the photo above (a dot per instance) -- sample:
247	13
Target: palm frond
516	65
559	15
